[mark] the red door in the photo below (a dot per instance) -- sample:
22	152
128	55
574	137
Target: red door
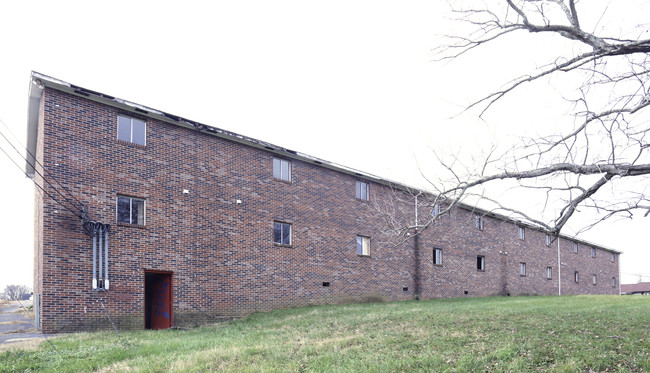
158	300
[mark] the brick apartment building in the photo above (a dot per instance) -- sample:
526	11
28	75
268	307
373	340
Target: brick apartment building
157	221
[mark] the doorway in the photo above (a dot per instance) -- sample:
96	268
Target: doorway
158	310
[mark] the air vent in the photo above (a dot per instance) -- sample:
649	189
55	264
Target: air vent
405	288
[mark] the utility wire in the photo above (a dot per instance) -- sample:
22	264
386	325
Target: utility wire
80	216
81	209
81	205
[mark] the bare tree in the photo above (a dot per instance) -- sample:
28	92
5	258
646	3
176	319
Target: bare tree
603	148
15	292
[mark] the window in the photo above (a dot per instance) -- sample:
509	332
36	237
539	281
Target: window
281	233
436	210
480	263
522	269
437	257
130	210
131	130
362	190
593	279
281	169
575	248
576	276
549	273
613	257
479	222
548	240
593	252
363	245
522	233
613	282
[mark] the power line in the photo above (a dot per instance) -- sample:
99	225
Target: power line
81	205
41	188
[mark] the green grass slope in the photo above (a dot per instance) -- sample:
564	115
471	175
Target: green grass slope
514	334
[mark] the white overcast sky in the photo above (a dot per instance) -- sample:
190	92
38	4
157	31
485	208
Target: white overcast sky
352	82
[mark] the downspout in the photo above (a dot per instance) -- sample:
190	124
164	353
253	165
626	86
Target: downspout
618	263
99	233
94	258
559	268
106	227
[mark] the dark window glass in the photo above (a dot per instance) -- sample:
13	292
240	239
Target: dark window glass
282	233
124	210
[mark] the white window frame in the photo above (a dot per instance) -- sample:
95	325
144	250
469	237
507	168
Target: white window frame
593	252
613	282
131	199
613	257
522	269
549	273
437	257
575	247
576	277
548	240
360	190
480	223
279	170
480	263
363	245
282	226
522	233
594	279
131	119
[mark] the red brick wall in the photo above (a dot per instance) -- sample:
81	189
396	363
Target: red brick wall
221	253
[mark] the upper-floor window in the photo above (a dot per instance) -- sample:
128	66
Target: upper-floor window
593	252
281	233
522	233
613	257
437	257
480	224
131	130
480	263
436	210
575	248
522	269
548	240
362	190
130	210
281	169
363	245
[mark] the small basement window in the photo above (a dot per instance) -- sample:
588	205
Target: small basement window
522	269
549	273
576	276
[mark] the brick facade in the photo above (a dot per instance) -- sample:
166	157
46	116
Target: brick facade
217	239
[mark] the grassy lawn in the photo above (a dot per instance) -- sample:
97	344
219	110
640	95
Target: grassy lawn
514	334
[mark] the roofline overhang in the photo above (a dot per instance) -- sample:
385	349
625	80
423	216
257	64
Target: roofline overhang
40	81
